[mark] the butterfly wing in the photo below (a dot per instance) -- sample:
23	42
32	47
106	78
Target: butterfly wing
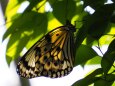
52	56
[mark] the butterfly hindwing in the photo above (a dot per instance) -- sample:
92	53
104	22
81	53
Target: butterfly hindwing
52	56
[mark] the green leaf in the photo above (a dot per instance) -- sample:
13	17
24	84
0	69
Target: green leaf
110	77
98	22
83	54
12	8
94	3
95	60
62	11
23	29
8	60
80	36
94	76
33	4
102	82
96	73
113	84
90	40
105	40
107	62
108	58
27	22
107	81
13	51
111	48
86	81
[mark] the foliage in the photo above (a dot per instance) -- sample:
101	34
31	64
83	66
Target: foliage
96	29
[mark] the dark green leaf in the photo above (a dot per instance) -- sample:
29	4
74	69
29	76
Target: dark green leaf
81	34
95	25
113	18
62	11
98	23
111	48
94	3
107	62
8	60
90	78
86	81
98	72
110	77
83	54
108	58
102	82
90	40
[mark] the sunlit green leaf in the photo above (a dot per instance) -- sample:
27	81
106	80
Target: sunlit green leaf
95	60
12	8
36	4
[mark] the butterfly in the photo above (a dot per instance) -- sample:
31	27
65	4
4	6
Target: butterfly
51	56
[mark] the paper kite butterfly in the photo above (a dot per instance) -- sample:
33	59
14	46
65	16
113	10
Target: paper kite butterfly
51	56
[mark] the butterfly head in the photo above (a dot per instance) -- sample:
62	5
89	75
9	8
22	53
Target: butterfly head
70	26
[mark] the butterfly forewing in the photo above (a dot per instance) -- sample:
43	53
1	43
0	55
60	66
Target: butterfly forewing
52	56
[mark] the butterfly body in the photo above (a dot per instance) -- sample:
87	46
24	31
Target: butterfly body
51	56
